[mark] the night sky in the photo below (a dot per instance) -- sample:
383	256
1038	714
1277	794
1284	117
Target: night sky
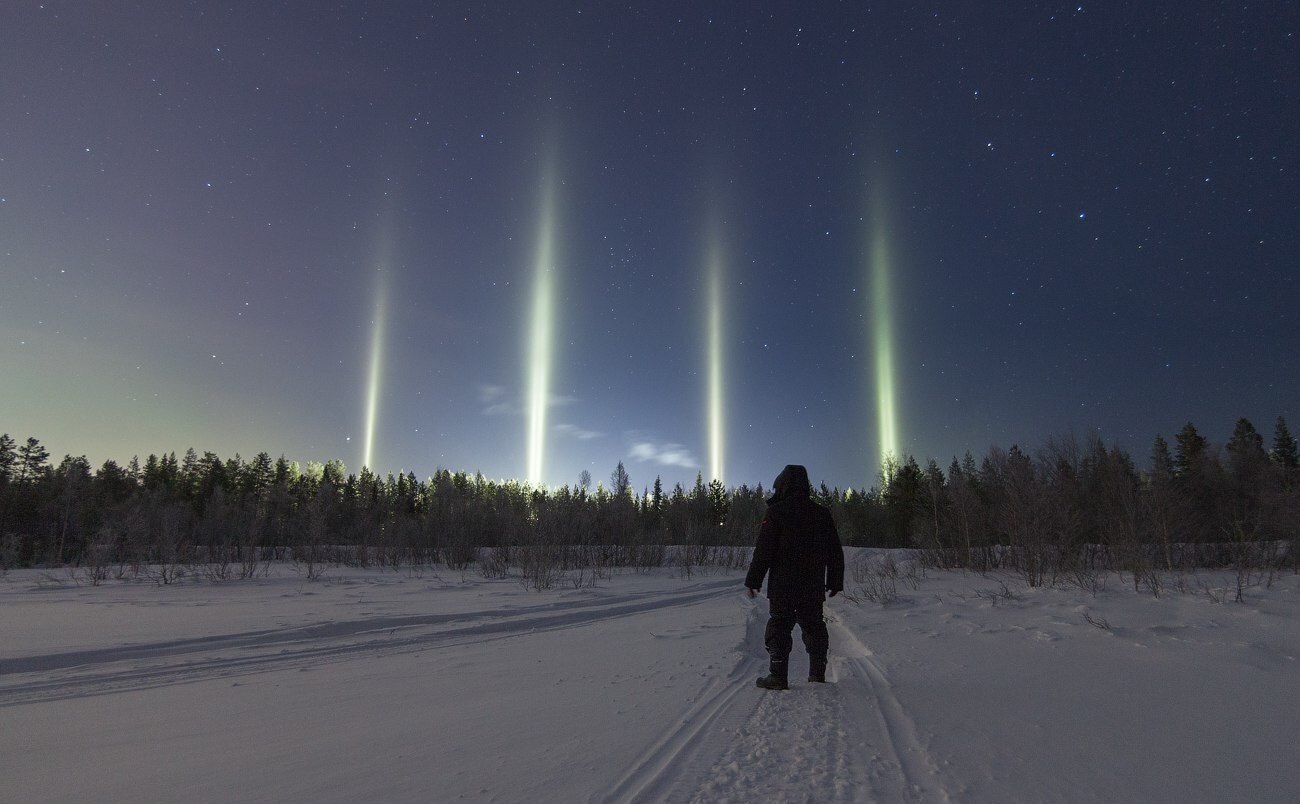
320	228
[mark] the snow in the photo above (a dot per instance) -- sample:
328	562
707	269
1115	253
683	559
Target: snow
423	686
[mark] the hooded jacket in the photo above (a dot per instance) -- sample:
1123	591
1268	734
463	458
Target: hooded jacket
798	547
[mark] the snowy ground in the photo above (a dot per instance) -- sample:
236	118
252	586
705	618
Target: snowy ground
372	685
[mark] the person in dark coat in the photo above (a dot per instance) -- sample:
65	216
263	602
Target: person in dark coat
799	551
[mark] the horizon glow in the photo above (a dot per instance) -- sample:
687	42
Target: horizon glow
538	347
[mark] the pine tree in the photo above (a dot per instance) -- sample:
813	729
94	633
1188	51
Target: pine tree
8	457
112	483
31	459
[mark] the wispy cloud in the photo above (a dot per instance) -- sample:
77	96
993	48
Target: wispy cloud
493	399
496	401
663	454
577	432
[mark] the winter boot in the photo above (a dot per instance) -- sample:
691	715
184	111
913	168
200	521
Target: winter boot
817	670
778	676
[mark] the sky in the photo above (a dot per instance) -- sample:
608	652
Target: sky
536	238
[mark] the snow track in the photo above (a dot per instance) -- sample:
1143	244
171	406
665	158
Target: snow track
77	674
901	767
670	770
849	740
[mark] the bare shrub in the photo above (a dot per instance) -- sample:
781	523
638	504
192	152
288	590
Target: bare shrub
251	563
878	587
1086	578
645	557
96	565
9	553
1215	594
1001	594
494	563
540	566
875	578
1095	622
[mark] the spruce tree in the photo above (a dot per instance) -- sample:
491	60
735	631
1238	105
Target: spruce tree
1284	447
152	472
258	475
657	504
282	471
619	481
1161	462
1189	451
170	471
191	475
1246	450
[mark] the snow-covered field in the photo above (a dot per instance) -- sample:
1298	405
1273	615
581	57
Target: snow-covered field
382	686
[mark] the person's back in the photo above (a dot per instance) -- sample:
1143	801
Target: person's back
805	547
799	551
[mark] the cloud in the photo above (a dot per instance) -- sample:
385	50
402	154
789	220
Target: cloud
493	399
577	432
663	454
496	402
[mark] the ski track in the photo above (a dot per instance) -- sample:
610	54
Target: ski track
670	769
78	674
910	772
849	740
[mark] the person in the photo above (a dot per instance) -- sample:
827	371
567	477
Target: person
799	551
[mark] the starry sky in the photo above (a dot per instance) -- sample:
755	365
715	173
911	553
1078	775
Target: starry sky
323	228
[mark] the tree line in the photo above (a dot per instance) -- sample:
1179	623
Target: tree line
1070	503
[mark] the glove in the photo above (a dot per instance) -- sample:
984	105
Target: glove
833	593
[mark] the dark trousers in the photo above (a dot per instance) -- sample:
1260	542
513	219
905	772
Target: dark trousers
785	612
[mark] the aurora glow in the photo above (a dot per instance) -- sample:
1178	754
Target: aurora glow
539	344
882	334
715	358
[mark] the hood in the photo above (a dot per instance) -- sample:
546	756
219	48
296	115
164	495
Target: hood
792	482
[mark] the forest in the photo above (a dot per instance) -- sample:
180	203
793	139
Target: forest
1070	506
